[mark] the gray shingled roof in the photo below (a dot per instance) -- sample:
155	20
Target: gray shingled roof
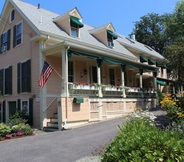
139	46
35	15
43	20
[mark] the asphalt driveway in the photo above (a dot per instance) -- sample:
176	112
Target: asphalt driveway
60	146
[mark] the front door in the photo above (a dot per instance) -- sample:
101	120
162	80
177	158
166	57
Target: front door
12	108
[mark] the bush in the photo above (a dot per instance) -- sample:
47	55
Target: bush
27	130
4	129
140	140
18	118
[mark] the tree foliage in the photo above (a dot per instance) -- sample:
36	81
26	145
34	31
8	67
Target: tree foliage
150	30
165	34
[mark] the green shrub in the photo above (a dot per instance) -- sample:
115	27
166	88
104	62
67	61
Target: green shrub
27	130
16	121
4	129
18	118
140	140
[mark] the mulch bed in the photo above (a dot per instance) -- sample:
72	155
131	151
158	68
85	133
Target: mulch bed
16	137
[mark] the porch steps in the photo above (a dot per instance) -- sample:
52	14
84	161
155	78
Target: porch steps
52	126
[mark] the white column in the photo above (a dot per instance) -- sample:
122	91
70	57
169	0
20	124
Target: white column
99	82
140	81
43	93
64	73
123	83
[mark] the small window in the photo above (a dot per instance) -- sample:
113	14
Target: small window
110	43
74	30
70	71
12	15
111	76
17	33
25	106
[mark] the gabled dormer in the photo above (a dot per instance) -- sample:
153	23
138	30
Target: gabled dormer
105	34
70	22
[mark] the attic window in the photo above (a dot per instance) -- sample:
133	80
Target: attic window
12	15
148	47
75	25
131	40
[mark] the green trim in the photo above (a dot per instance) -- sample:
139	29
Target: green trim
112	61
76	22
111	34
151	62
143	59
78	100
161	82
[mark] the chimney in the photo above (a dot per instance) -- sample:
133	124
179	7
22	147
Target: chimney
38	6
133	36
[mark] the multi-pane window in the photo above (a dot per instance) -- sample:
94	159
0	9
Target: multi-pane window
111	77
5	41
17	33
74	30
24	77
70	71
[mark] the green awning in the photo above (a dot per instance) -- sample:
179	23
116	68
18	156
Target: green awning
111	34
76	22
112	61
143	59
161	82
164	67
151	62
81	54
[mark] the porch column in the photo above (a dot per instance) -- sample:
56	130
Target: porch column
43	93
174	89
64	73
140	71
155	80
123	67
99	64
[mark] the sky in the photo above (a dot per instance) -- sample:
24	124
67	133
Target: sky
121	13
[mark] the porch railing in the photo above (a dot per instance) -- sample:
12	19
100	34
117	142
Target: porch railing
84	89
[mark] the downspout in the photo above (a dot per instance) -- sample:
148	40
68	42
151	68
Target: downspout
66	92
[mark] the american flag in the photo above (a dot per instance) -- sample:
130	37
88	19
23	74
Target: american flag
45	74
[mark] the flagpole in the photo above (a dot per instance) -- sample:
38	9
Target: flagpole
56	71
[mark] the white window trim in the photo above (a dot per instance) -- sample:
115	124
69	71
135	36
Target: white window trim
21	34
11	15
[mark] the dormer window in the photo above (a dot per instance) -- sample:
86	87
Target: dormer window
110	37
75	25
12	15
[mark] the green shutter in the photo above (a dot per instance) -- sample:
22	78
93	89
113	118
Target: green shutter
8	41
29	75
1	81
76	21
30	120
18	78
4	111
14	35
18	104
1	43
10	79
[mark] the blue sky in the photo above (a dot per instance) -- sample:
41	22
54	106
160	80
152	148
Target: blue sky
121	13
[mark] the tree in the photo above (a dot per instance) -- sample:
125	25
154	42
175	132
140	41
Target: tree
150	30
175	53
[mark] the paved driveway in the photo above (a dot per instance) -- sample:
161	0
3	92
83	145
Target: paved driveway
61	146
